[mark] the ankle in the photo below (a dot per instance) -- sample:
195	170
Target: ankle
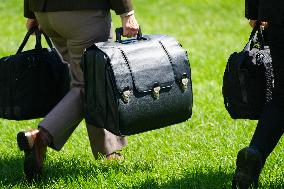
45	136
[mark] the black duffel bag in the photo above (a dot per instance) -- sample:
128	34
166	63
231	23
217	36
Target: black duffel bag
248	79
137	85
32	82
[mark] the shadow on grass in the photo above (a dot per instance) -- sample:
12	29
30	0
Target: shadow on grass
199	180
11	171
11	174
193	180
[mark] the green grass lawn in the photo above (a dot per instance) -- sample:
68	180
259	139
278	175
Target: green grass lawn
199	153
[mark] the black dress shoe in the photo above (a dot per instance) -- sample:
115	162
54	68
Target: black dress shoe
249	165
34	147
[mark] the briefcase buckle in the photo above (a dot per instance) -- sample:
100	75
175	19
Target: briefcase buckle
184	83
126	95
156	92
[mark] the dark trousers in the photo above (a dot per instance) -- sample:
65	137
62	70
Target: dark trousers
271	124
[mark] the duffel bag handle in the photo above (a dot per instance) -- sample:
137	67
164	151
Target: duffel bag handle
38	39
119	33
259	31
47	39
254	30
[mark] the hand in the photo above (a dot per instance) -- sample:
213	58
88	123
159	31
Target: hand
31	23
252	23
130	26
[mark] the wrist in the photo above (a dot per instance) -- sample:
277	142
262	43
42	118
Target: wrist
127	14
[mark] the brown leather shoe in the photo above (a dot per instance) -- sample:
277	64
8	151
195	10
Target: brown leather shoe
34	147
115	156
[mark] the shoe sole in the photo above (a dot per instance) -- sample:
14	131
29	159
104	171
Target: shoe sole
23	142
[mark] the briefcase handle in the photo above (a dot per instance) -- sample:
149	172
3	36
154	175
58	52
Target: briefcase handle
38	39
119	33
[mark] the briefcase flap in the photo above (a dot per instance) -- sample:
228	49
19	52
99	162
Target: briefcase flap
150	63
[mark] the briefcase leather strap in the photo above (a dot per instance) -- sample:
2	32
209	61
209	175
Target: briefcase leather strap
38	39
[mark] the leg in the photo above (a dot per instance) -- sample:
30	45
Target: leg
35	142
64	118
103	142
59	124
270	127
92	27
71	33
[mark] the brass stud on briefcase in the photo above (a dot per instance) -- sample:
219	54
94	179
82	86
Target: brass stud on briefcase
156	92
126	95
184	83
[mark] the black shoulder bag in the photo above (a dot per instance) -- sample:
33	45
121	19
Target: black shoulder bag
32	82
248	79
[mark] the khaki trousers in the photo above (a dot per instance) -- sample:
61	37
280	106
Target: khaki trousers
71	32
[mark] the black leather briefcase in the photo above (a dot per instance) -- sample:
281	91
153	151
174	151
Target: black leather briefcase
32	82
137	85
248	79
